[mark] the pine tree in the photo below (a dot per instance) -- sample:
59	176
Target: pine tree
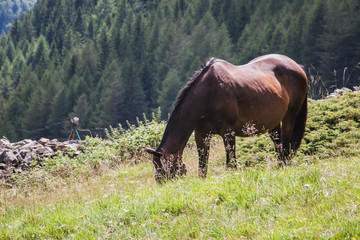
170	88
79	23
112	106
58	111
28	28
40	56
59	33
90	29
17	69
15	31
103	49
10	51
312	31
81	110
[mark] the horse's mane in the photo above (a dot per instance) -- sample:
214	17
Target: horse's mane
182	95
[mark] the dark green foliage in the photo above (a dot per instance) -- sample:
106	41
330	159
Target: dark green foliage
9	11
110	61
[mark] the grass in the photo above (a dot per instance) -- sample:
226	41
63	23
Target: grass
110	193
306	201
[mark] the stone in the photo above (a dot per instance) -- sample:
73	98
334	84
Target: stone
56	146
72	147
28	145
5	143
24	166
28	158
44	151
3	166
24	152
44	141
7	157
342	90
19	156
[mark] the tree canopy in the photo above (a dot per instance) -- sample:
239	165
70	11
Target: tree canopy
10	10
110	61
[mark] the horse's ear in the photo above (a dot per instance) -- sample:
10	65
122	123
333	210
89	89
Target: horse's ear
152	151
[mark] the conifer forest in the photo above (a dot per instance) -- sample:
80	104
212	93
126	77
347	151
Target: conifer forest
109	61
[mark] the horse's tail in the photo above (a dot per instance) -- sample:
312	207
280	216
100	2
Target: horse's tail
299	127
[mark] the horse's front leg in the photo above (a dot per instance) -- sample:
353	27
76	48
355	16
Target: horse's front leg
203	146
229	143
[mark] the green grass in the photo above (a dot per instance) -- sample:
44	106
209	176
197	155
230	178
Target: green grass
109	191
306	201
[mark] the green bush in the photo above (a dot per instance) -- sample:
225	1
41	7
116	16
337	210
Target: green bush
130	143
333	126
332	129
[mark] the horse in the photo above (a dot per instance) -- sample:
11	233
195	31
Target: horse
268	94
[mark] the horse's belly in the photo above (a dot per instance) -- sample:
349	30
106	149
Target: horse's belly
254	127
247	110
258	117
246	121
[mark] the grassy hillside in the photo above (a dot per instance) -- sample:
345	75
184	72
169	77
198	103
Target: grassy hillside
109	191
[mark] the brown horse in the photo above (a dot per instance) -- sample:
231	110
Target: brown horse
269	94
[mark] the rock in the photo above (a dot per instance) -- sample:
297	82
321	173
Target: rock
24	166
19	156
28	158
72	147
56	146
61	147
21	143
10	169
44	141
7	157
3	166
24	152
5	143
342	90
44	151
27	145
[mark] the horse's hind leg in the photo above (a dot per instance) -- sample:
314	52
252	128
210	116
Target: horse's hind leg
287	128
229	142
275	136
280	140
203	146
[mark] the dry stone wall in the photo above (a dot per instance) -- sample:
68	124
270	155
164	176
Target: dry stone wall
21	155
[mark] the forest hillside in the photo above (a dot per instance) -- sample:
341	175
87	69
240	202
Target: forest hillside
108	61
10	10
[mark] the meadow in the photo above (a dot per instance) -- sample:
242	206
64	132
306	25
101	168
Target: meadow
109	192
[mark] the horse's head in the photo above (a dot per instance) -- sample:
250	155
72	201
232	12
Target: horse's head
166	166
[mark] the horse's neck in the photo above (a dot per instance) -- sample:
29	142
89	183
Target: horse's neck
177	133
186	113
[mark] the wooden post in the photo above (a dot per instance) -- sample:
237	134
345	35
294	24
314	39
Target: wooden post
74	124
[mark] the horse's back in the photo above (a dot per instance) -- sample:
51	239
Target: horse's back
289	74
277	60
285	69
259	91
274	73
